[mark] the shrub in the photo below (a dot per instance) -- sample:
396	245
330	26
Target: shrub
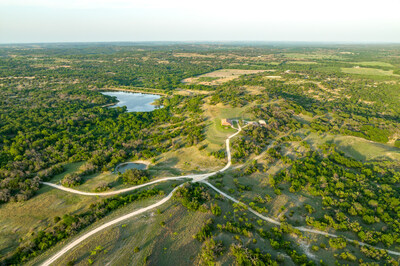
397	143
103	186
71	180
192	196
205	231
135	176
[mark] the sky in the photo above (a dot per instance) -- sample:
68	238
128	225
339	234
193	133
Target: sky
41	21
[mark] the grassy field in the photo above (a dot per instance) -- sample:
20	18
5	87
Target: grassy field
368	71
302	62
373	63
312	56
171	244
91	182
105	238
358	148
187	160
69	168
215	133
19	219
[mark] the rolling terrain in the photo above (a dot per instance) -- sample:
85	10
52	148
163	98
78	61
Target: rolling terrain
307	173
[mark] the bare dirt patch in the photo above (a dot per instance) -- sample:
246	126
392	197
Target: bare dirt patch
273	77
220	76
193	55
191	92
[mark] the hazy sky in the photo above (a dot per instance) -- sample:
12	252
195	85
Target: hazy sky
201	20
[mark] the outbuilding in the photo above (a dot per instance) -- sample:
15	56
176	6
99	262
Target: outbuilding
226	122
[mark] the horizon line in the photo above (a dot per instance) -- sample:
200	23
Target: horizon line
206	42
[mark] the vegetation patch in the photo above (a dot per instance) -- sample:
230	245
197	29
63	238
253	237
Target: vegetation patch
135	176
373	63
368	71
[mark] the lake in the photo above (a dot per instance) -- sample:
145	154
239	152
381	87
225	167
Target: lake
135	102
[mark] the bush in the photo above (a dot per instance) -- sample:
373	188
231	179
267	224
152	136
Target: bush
246	256
215	209
337	243
210	250
192	196
103	186
135	176
205	231
71	180
397	143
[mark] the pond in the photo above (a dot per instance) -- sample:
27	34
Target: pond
135	102
125	166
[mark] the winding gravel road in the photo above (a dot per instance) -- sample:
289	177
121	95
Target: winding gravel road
195	178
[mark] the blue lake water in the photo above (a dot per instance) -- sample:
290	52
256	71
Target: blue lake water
135	102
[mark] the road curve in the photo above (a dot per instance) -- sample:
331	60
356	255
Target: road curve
104	226
194	177
110	193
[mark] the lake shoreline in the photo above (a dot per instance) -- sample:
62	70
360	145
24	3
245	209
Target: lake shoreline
136	90
134	101
138	162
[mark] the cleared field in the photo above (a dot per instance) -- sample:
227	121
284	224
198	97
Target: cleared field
368	71
358	148
302	62
220	76
69	168
272	77
104	235
373	63
312	56
170	244
215	133
194	55
187	160
190	92
92	181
